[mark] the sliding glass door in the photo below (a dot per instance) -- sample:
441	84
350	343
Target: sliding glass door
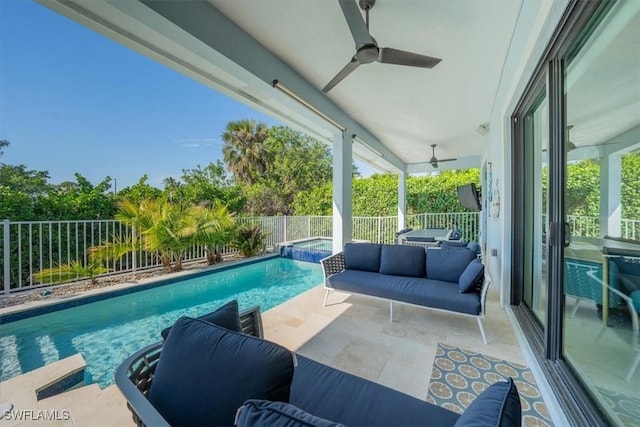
576	215
535	146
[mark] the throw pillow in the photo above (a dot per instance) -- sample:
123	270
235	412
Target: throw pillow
471	276
499	406
227	316
206	372
264	413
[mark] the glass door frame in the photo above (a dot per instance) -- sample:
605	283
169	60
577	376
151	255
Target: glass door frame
546	341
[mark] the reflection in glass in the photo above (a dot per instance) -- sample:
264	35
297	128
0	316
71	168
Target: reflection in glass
602	200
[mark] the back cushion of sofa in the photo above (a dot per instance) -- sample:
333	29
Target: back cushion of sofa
448	264
362	256
400	260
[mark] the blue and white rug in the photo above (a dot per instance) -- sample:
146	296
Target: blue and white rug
460	375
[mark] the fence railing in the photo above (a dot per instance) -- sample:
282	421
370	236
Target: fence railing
26	248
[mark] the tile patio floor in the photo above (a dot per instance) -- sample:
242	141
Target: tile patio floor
352	333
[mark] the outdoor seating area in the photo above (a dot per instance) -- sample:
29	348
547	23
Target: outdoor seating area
284	389
448	279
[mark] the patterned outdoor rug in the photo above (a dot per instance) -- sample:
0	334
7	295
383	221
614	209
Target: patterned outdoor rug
459	376
626	408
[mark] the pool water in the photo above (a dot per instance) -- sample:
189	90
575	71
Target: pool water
315	245
107	331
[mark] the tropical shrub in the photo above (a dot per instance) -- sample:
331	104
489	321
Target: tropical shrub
249	240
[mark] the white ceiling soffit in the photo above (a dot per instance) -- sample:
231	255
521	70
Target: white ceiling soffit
240	46
406	108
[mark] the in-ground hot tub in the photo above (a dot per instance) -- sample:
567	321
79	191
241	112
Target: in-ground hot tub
310	250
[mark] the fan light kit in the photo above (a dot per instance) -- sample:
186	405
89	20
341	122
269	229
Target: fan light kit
367	50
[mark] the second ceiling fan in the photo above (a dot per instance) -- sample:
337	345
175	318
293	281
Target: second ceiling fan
367	49
434	160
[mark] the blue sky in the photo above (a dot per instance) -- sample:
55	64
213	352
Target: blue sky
72	100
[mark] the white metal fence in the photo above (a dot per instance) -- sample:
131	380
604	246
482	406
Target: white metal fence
29	247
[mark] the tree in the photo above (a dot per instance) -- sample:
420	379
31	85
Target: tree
296	163
138	192
210	185
244	151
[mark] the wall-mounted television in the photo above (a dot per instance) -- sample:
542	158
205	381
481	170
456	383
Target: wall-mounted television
469	197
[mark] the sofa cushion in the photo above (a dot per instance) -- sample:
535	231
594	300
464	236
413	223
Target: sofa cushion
475	247
341	397
401	260
267	413
447	244
448	264
206	372
499	406
227	316
412	290
471	276
362	256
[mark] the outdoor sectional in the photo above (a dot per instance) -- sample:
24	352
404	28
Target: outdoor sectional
204	374
448	279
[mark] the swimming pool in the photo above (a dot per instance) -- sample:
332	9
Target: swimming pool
107	331
312	250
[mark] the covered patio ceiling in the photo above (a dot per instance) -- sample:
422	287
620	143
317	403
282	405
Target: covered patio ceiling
240	47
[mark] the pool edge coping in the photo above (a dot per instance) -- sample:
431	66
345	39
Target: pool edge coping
17	312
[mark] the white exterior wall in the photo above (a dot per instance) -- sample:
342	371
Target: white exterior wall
535	25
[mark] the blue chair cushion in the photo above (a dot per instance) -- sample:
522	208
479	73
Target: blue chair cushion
227	316
401	260
362	256
635	297
498	406
353	401
230	366
446	244
471	276
448	264
266	413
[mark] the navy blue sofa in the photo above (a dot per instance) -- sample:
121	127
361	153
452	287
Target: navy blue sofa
203	373
450	279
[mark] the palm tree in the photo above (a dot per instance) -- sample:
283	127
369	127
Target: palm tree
244	151
165	228
215	228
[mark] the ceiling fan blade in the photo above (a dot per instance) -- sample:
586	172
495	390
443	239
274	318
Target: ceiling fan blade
358	28
400	57
352	65
446	160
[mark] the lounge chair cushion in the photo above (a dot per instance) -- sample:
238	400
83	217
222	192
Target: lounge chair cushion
353	401
475	247
448	264
362	256
471	276
446	244
232	367
267	413
227	316
499	406
401	260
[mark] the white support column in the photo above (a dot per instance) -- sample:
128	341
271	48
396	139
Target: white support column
402	201
342	182
610	195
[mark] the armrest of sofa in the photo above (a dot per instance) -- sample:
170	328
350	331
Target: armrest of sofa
333	264
484	289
